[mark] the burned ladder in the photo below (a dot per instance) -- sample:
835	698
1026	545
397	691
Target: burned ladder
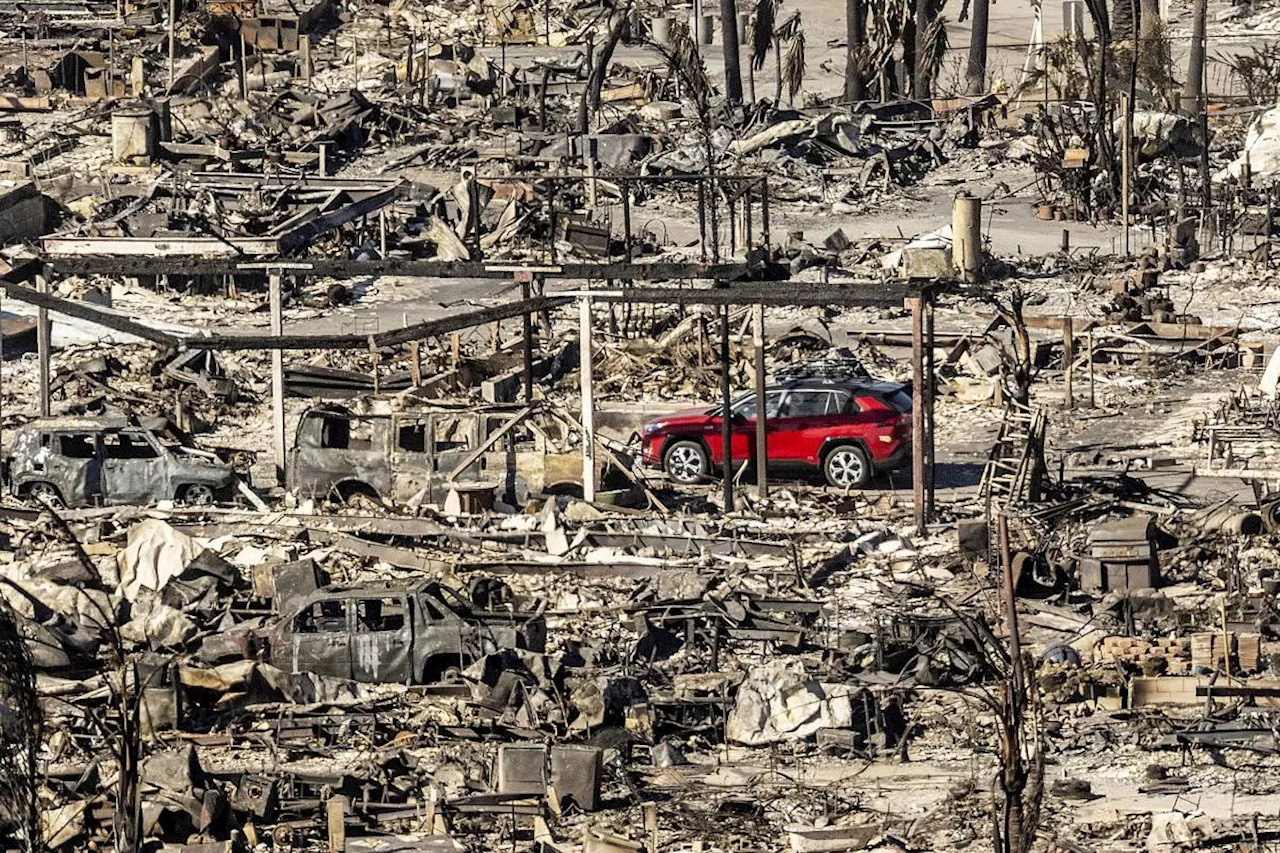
1007	476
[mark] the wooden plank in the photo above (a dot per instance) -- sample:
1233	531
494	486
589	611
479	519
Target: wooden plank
24	104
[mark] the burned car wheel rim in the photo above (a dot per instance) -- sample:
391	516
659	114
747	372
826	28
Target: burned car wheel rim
684	463
845	468
198	495
43	493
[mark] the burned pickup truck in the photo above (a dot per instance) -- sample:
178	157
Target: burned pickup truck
421	633
81	461
420	455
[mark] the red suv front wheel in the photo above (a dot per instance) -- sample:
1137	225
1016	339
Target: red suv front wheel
686	462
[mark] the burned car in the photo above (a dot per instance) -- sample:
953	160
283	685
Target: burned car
420	455
417	633
80	462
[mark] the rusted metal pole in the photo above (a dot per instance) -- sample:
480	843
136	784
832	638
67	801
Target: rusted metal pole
726	421
762	425
277	378
917	409
931	459
1010	602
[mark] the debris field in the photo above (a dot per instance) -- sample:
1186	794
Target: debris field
629	427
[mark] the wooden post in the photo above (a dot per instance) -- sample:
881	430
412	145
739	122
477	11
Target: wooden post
244	68
526	320
589	162
917	409
43	333
651	827
415	362
455	346
726	421
762	426
588	401
336	812
1092	399
277	377
304	55
1068	356
173	18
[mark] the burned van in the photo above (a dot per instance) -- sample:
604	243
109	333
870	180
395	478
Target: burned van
420	455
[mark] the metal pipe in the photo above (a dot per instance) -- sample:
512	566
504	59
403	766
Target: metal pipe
762	425
726	421
588	400
277	378
917	410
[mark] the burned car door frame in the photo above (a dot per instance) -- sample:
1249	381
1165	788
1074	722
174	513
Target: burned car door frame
318	636
338	453
133	464
77	476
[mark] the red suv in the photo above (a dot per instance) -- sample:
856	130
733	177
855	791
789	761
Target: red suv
850	429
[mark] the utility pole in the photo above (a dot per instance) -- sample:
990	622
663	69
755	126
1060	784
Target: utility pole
855	25
732	58
977	72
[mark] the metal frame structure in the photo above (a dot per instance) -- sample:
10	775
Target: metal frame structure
732	287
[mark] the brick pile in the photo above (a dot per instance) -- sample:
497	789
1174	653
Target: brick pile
1176	651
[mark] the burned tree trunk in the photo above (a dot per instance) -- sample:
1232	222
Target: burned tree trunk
1104	157
977	71
732	58
589	103
1195	63
855	40
920	66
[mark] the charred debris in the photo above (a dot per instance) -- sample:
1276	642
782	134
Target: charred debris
584	428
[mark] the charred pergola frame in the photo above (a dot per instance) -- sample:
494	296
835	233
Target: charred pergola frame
733	284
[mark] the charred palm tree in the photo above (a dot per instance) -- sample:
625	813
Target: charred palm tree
685	62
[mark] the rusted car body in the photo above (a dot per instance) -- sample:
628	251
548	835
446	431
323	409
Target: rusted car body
110	460
395	633
420	455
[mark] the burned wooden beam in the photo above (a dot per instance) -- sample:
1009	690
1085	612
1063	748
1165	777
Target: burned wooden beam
84	311
139	263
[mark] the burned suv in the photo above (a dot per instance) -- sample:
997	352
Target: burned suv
849	429
109	460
